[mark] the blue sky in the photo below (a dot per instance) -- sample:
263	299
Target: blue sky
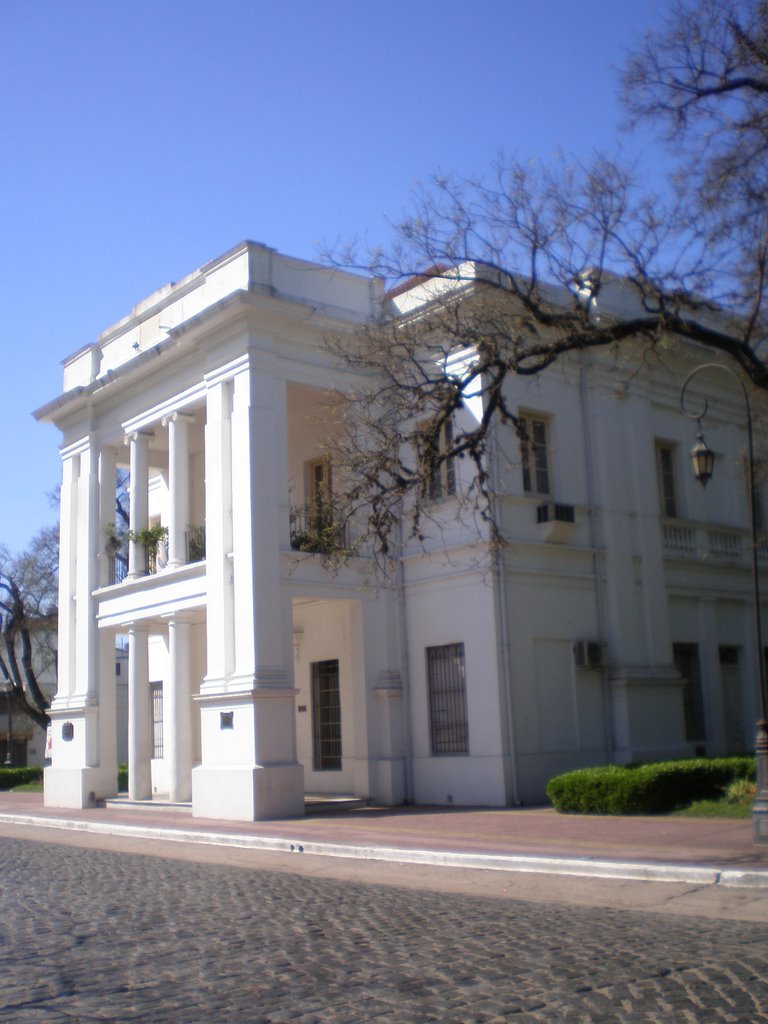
141	139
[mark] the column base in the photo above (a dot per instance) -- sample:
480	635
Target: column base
256	793
77	787
388	781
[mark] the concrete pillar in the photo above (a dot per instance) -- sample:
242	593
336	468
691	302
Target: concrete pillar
218	540
67	578
88	525
139	714
107	512
248	730
177	712
139	512
178	481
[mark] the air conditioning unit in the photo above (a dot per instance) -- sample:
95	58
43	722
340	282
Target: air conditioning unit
555	522
587	654
553	512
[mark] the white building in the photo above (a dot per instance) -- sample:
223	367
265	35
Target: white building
614	628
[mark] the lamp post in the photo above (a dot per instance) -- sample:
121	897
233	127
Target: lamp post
703	461
9	734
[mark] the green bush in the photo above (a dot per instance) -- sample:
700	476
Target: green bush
10	777
646	788
122	778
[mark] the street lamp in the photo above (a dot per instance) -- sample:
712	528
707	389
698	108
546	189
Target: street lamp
9	741
703	461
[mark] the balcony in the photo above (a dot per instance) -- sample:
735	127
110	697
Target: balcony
156	555
316	532
707	543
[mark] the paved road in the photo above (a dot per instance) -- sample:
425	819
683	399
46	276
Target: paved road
91	935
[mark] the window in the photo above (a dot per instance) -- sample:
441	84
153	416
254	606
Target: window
534	454
730	683
442	483
156	690
319	490
665	461
687	661
326	716
446	682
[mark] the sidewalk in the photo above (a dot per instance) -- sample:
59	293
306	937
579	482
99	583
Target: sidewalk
701	851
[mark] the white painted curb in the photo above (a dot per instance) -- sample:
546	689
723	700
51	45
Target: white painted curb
584	867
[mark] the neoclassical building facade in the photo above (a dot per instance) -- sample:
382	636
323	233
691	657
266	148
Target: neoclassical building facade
613	627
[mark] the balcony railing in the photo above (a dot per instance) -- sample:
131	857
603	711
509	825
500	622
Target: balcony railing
118	568
156	555
194	540
317	533
708	543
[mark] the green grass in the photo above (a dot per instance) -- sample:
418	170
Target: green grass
715	809
28	787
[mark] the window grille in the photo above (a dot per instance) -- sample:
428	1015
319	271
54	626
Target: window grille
665	458
326	716
446	680
687	661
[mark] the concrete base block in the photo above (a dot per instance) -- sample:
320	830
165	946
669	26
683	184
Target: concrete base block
248	793
78	787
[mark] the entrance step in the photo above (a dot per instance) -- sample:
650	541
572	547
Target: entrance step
314	803
322	803
157	803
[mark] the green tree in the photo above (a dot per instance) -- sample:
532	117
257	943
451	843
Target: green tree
28	622
533	262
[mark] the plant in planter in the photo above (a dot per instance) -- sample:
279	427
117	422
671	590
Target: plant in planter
114	539
150	539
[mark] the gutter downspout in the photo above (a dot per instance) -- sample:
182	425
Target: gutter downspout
594	541
502	632
405	679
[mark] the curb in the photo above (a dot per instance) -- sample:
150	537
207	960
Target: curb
579	867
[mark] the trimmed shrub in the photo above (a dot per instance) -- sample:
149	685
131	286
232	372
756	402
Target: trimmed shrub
646	788
10	777
122	778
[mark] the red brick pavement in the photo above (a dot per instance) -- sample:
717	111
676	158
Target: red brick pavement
719	843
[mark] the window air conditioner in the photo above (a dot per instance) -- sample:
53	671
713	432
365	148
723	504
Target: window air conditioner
587	654
552	512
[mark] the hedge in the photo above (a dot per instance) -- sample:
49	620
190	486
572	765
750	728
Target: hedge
10	777
647	788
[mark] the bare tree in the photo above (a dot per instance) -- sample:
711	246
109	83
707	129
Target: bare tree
519	269
28	620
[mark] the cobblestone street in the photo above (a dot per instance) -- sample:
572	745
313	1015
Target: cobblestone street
90	935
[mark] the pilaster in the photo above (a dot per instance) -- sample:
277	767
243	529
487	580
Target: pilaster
139	714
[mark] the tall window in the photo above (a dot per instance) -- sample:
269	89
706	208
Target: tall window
447	687
320	490
687	661
665	462
534	454
156	690
326	716
442	483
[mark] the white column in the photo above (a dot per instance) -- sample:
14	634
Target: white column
107	513
177	712
262	634
178	480
139	513
139	714
218	533
248	729
67	579
87	579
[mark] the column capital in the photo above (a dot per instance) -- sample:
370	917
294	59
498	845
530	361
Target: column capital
137	435
177	416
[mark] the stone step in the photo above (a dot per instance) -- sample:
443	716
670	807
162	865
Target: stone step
314	803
